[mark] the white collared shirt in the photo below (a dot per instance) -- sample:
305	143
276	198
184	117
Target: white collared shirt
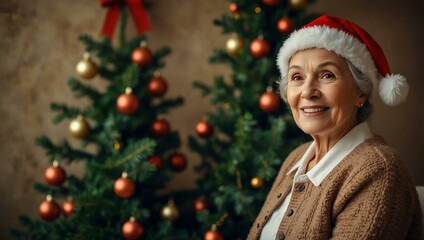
317	174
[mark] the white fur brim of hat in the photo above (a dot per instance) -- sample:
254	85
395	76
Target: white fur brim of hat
393	89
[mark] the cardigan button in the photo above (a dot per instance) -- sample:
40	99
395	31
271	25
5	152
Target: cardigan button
290	212
281	237
279	195
301	188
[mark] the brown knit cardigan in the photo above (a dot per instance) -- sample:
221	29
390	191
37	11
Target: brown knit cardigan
369	195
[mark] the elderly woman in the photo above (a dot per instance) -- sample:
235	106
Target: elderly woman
347	183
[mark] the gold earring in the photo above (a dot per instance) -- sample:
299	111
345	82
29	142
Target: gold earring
360	104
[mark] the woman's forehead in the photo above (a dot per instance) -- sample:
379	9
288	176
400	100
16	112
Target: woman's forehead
318	55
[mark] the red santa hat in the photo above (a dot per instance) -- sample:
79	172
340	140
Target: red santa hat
353	43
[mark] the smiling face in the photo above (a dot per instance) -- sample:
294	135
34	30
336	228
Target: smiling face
322	93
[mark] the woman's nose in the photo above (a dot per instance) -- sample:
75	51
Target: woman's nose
310	90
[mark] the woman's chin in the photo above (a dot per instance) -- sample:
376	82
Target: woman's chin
312	128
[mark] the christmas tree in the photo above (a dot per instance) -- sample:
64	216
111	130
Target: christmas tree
243	142
122	192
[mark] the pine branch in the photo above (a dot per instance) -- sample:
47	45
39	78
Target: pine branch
222	57
65	112
132	155
104	49
221	91
166	104
54	191
61	152
82	90
205	89
227	23
132	44
108	56
162	52
244	128
170	141
128	78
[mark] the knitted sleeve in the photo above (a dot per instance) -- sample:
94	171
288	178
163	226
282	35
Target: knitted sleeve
377	202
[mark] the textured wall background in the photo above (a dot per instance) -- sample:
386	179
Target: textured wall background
39	50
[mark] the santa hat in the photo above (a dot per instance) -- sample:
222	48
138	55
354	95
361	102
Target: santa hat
353	43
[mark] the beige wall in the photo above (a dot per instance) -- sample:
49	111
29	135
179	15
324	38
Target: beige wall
39	50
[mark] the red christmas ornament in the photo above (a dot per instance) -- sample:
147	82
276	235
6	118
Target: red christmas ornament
48	209
127	103
132	229
260	48
271	2
124	187
55	175
204	129
160	127
213	235
234	8
156	161
269	102
68	207
157	86
142	55
177	162
285	25
201	204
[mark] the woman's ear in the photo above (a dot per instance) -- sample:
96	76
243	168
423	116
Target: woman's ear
362	99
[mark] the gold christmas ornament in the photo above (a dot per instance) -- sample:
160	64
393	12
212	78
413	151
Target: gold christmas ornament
170	211
297	4
234	45
86	68
116	145
257	182
79	127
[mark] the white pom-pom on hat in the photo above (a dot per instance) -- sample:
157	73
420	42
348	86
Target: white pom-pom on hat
393	89
351	42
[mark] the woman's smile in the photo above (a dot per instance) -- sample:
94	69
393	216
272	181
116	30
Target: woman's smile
310	110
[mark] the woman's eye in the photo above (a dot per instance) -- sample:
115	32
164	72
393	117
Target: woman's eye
296	77
327	75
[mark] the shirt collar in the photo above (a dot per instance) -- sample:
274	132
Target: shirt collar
336	154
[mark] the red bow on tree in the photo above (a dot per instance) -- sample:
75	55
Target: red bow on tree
137	10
